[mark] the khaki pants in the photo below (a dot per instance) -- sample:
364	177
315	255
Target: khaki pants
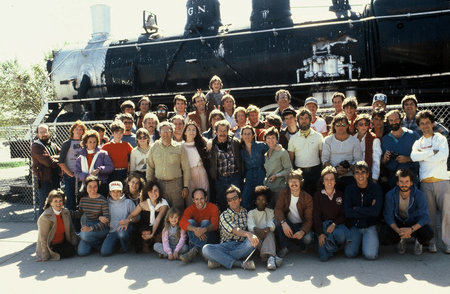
171	191
267	246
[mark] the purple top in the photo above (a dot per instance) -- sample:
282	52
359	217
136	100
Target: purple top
103	163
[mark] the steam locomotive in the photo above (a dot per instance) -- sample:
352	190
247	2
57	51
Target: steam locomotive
395	47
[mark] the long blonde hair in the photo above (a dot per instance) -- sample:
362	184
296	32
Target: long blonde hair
171	212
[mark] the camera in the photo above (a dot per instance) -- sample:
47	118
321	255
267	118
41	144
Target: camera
394	155
345	164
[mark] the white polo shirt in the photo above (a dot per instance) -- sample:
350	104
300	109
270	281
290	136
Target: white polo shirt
306	149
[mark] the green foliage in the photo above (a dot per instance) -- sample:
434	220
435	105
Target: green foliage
21	92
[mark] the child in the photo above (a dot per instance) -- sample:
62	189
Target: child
138	158
119	152
214	96
261	223
173	237
120	228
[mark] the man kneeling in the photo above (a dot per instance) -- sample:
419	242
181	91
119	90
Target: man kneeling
236	242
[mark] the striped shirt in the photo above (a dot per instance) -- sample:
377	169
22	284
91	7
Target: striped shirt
229	219
93	208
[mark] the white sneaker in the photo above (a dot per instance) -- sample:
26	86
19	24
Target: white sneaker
249	265
278	261
432	248
417	248
447	249
271	263
401	247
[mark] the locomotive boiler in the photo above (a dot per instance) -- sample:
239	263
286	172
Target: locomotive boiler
396	47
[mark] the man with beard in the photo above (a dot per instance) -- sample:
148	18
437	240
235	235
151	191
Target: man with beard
431	151
225	162
305	151
45	164
201	114
397	146
406	214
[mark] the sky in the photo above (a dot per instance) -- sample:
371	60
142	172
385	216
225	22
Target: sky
30	29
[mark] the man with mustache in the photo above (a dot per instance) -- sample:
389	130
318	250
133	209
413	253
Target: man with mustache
397	146
45	156
406	214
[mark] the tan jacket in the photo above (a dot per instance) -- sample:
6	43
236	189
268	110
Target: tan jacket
304	206
47	230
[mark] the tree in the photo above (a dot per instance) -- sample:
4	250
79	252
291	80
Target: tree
21	92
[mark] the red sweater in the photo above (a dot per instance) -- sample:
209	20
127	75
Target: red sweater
210	212
119	153
59	234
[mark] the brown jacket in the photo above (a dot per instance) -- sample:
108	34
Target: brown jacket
304	206
47	230
43	163
195	117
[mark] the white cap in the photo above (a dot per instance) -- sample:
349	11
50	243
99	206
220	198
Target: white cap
115	185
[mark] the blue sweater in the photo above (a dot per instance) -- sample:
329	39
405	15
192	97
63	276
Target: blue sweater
363	209
417	208
402	146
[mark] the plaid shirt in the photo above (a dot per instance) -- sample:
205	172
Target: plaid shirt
226	165
229	219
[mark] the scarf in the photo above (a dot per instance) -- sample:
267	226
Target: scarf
305	133
153	209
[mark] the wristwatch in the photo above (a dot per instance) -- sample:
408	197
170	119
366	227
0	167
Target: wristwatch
412	229
282	221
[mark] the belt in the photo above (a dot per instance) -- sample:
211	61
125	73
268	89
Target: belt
124	168
308	169
167	181
228	174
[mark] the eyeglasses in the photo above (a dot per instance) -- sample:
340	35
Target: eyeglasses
341	125
233	198
363	124
142	137
161	111
127	122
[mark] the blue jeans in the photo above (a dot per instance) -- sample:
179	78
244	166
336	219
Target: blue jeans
253	178
91	239
222	184
228	252
283	239
114	240
44	189
367	238
338	237
194	241
69	190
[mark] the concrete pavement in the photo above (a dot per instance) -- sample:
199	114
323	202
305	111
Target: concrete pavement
142	273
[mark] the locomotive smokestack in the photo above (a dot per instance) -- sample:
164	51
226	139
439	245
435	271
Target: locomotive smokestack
101	21
270	14
203	17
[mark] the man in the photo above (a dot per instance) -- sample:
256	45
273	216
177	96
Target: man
144	107
179	106
201	222
45	164
318	124
289	117
271	120
350	105
406	214
162	112
128	107
305	151
397	146
214	116
363	203
225	162
201	114
236	243
168	164
379	101
431	151
150	123
253	114
293	214
409	106
128	135
337	100
228	106
283	99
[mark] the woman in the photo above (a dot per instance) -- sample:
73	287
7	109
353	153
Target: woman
70	150
91	208
252	154
178	122
370	145
195	147
276	164
133	187
329	216
138	157
93	161
56	233
241	120
152	210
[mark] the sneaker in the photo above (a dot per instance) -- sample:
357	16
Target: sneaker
417	248
189	256
213	264
432	248
401	247
278	261
447	249
283	252
249	265
271	263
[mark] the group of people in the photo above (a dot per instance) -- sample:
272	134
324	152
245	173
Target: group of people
221	182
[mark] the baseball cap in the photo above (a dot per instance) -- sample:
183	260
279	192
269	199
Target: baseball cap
311	100
379	97
115	185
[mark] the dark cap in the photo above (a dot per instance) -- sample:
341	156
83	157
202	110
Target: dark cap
288	111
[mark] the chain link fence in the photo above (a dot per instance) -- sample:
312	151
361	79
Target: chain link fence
18	191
